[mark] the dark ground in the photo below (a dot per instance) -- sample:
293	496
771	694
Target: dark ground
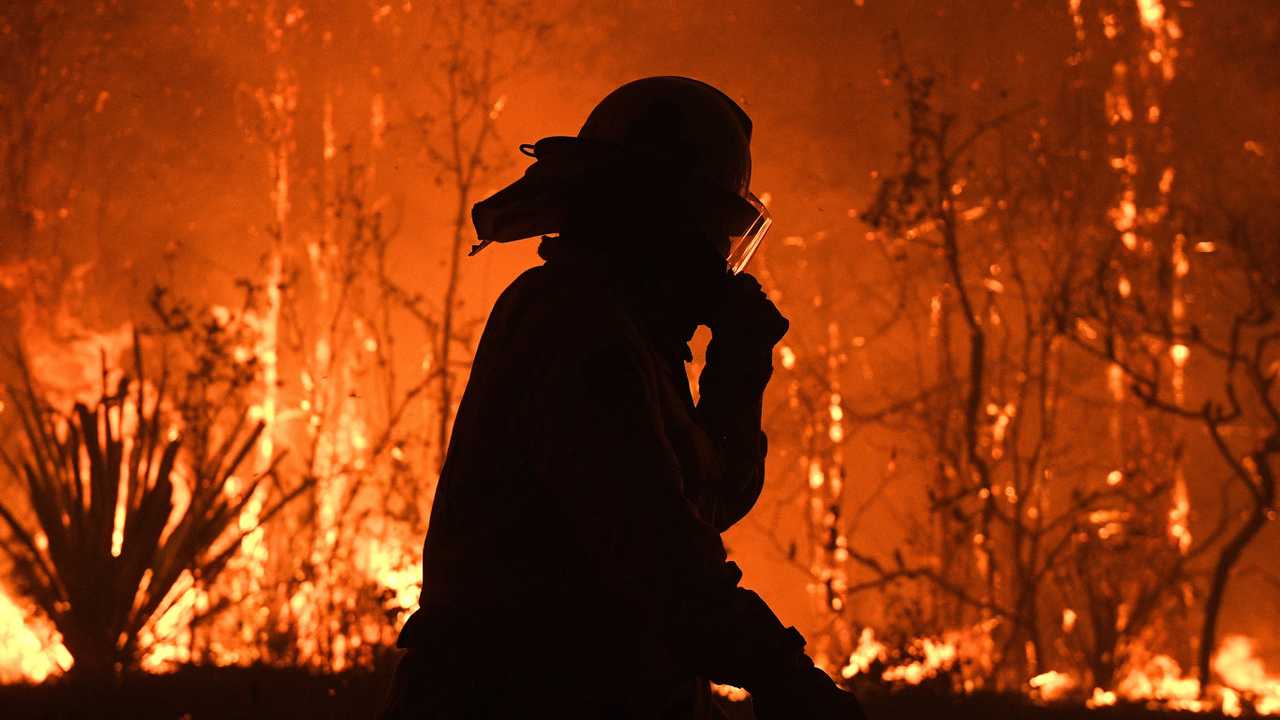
244	693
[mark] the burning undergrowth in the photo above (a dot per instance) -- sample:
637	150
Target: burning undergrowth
147	498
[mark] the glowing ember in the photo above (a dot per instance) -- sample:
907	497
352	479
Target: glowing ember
1052	685
788	357
729	692
1178	515
1101	698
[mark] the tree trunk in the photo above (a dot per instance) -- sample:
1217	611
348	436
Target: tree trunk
1227	559
448	311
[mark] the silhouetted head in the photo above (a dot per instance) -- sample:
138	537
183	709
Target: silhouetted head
691	170
657	179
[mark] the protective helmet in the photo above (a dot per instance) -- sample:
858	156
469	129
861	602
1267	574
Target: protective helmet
663	139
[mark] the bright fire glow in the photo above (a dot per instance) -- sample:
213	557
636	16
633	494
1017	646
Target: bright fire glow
29	651
1242	672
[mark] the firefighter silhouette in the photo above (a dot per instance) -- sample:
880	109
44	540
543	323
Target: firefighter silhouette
573	567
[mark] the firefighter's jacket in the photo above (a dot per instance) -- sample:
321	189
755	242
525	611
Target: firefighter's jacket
574	554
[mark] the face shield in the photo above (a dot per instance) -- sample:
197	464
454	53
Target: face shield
743	245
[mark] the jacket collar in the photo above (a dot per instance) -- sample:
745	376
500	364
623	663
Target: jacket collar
650	312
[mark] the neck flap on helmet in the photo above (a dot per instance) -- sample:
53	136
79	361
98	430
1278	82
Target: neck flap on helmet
566	168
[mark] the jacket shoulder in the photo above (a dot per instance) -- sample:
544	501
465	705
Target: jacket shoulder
553	302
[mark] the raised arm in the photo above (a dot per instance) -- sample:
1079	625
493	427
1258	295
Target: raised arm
731	396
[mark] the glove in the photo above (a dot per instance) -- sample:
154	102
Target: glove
732	637
744	314
804	693
743	643
745	325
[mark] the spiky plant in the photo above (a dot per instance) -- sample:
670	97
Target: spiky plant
99	579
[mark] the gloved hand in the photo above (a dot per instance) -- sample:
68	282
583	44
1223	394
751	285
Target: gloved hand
745	325
745	316
804	693
738	640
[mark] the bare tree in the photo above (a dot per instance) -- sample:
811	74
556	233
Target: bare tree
480	47
356	422
1229	337
987	401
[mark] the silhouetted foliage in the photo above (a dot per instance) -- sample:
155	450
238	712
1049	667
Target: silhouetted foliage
116	512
